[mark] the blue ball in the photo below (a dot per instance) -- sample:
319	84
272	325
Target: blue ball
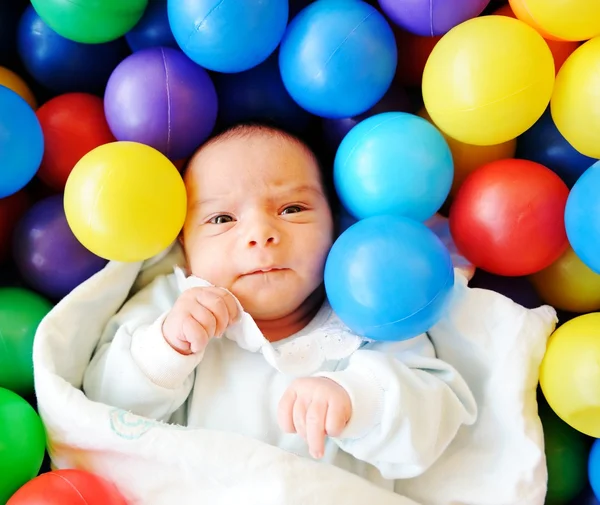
21	142
258	94
544	144
594	468
582	217
62	65
153	30
338	58
393	163
389	278
228	36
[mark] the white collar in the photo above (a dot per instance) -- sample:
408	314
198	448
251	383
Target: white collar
325	338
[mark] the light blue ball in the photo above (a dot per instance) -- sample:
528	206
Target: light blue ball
389	278
594	468
393	163
21	142
228	36
338	58
582	217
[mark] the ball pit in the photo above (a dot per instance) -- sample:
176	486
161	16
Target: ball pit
234	37
424	17
507	217
22	443
389	278
72	124
90	21
160	98
21	311
67	487
21	142
393	163
323	48
125	201
483	92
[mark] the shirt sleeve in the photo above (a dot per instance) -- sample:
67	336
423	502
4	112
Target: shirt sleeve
407	406
134	368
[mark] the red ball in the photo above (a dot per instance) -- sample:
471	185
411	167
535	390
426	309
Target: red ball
11	209
508	217
73	124
67	487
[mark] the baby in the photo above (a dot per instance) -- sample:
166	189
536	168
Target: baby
284	369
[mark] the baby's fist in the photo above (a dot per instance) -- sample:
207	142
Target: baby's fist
315	407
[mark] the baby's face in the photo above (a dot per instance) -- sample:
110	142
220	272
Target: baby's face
258	223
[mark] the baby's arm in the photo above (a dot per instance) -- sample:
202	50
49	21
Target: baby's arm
407	406
134	368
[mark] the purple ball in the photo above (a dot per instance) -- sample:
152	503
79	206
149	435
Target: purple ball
47	254
395	100
431	17
161	98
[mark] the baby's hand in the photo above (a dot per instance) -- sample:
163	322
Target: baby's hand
198	315
315	407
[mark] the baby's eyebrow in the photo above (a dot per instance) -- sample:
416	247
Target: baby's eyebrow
303	188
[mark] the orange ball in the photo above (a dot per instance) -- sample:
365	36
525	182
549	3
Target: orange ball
561	49
12	81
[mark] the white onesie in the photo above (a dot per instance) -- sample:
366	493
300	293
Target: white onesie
407	404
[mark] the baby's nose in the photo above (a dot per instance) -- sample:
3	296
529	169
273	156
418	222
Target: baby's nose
262	234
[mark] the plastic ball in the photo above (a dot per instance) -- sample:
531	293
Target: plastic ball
73	124
508	217
338	58
161	98
21	142
21	311
488	80
90	21
234	37
569	374
468	158
393	163
544	144
568	284
258	94
396	99
561	50
11	209
68	487
48	255
566	458
62	65
125	201
12	81
389	278
22	443
574	94
594	468
153	30
559	19
427	18
582	218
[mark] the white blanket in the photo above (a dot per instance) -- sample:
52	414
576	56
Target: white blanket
496	344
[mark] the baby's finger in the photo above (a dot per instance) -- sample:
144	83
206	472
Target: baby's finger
284	411
205	318
217	305
336	420
195	334
299	416
232	305
315	427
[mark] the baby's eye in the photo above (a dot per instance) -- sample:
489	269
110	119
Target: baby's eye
221	219
292	209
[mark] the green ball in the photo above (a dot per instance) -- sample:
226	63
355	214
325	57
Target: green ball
90	21
566	456
20	314
22	443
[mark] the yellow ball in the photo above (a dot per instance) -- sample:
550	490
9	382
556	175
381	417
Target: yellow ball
568	284
570	373
12	81
125	201
573	106
488	80
561	19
